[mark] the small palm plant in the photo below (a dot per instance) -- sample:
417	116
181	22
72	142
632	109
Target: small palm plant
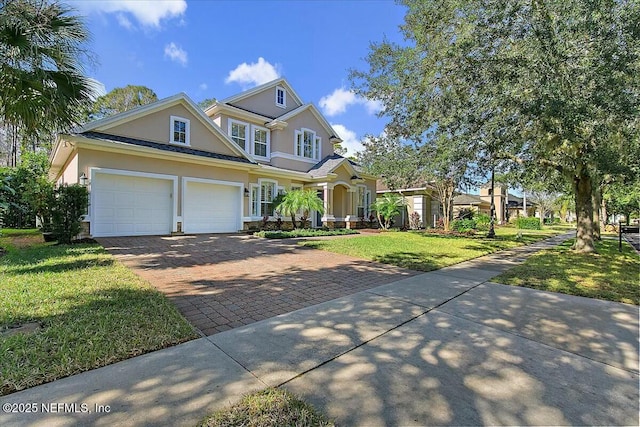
386	207
295	201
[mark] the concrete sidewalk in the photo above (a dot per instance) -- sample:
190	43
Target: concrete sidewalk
445	347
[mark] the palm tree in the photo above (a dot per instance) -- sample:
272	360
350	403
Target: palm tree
295	201
42	59
386	207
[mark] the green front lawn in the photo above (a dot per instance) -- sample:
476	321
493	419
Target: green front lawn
607	274
425	252
272	407
86	310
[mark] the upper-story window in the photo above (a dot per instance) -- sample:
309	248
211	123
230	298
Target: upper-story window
281	97
307	144
260	141
238	133
254	139
179	130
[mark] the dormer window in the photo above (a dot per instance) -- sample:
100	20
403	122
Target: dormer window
281	97
179	131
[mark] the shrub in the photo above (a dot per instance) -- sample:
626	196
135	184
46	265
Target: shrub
463	225
528	223
71	202
551	221
483	221
466	213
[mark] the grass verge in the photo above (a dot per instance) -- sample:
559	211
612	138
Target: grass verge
424	251
272	407
607	274
304	233
88	311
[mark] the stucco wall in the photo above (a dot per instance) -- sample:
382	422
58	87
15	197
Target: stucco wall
70	175
156	127
92	158
265	103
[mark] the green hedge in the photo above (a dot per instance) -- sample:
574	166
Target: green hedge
304	233
463	225
528	223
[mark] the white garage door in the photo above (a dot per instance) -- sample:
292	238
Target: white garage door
211	208
130	205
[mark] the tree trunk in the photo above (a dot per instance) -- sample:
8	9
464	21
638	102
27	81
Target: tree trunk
293	221
582	187
596	199
603	210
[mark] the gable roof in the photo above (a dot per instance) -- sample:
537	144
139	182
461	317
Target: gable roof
331	163
106	123
163	147
247	93
334	136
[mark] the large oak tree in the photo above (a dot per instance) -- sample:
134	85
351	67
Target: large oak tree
546	84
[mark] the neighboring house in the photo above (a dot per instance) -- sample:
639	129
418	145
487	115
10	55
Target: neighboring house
470	202
516	209
419	198
482	203
168	167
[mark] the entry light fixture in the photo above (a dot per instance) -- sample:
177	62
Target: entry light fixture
246	192
84	181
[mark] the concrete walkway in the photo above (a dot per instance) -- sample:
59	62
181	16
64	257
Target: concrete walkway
447	347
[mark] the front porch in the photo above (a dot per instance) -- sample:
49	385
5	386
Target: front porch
345	205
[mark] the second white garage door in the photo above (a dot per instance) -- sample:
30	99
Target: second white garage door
211	208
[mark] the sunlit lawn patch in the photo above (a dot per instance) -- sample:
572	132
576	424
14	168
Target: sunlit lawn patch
606	274
425	252
272	407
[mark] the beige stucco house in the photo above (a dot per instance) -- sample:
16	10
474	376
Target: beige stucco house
420	198
169	167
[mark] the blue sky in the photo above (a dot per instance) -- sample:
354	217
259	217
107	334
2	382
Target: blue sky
219	48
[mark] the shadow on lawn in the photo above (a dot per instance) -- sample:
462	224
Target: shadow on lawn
411	260
55	259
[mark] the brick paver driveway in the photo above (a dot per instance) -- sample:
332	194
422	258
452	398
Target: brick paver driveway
219	282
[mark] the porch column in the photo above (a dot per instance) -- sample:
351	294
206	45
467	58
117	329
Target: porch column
351	218
328	219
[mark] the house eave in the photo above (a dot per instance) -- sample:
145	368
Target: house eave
120	147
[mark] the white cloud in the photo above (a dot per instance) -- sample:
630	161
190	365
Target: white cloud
124	21
372	106
203	86
349	138
340	99
149	13
337	102
176	54
255	74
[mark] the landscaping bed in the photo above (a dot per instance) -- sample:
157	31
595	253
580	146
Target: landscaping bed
66	309
282	234
607	274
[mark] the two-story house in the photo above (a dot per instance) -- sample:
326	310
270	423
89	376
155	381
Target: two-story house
169	167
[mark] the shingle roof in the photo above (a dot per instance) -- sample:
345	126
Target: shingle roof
163	147
329	163
467	199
